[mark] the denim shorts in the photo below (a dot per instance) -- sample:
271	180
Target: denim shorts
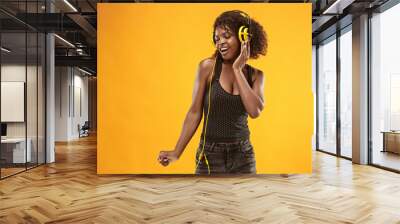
233	158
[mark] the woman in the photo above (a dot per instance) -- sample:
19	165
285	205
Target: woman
236	92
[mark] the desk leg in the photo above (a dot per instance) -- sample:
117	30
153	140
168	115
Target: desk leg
384	142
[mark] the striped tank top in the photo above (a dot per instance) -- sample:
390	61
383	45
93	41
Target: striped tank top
227	120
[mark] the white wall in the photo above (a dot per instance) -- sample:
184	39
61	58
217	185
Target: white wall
33	127
81	84
71	94
62	81
12	73
16	73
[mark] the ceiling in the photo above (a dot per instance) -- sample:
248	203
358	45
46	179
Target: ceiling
76	22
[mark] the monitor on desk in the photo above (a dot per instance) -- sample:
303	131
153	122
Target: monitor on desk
3	130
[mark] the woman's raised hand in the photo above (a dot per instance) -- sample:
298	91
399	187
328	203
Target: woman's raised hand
244	55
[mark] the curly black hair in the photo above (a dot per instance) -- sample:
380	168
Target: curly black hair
233	20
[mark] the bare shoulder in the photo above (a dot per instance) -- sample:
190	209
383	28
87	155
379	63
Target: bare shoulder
205	67
257	74
206	63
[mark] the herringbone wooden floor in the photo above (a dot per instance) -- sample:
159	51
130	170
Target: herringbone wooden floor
70	191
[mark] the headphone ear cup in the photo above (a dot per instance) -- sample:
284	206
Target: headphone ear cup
243	34
244	31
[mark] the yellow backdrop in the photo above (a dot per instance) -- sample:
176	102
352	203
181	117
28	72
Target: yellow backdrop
147	60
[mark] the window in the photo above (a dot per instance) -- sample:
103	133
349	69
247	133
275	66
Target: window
346	93
385	88
327	95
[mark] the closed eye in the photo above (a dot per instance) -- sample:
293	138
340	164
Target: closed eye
225	35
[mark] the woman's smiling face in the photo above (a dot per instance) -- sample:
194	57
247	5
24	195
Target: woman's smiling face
227	43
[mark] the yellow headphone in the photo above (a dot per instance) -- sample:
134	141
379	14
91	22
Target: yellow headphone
206	120
244	35
244	31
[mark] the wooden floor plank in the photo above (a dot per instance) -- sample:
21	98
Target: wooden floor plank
70	191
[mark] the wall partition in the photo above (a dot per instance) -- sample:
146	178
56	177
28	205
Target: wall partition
137	119
22	88
13	145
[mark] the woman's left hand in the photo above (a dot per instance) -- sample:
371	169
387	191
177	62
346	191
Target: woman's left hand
244	55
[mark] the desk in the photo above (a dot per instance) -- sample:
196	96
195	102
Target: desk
391	141
15	148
